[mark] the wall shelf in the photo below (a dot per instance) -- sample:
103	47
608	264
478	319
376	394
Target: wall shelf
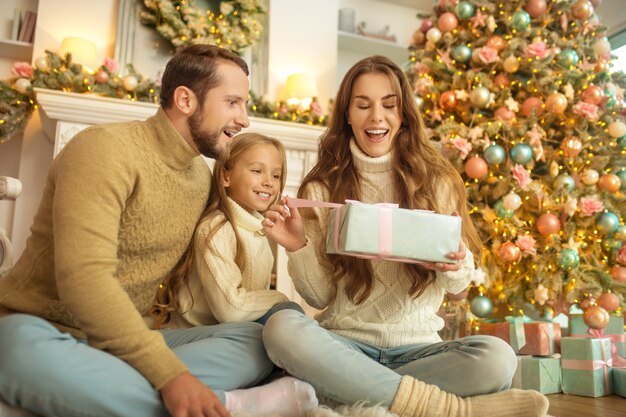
365	45
16	50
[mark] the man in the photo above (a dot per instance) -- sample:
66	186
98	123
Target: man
118	210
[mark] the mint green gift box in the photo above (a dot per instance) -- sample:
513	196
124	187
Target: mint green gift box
619	381
585	366
383	231
539	374
614	331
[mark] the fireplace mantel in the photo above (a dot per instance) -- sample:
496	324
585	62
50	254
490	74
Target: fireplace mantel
65	114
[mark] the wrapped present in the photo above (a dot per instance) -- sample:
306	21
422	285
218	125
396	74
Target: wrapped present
384	231
586	366
619	381
537	338
614	331
539	374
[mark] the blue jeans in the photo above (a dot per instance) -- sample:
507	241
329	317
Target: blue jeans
349	371
54	374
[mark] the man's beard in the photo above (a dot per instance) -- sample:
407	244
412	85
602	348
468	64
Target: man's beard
206	141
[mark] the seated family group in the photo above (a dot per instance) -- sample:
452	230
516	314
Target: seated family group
144	286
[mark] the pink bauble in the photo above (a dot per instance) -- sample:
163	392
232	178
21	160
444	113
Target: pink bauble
102	77
496	42
532	103
419	37
447	22
501	80
596	317
609	182
571	147
556	103
476	167
587	302
426	24
548	224
536	8
619	273
593	94
509	252
608	301
504	114
582	9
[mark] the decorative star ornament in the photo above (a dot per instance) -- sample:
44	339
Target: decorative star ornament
461	95
512	104
541	294
475	133
572	244
479	19
568	90
559	306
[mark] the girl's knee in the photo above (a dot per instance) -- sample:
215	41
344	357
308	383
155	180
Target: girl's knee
283	331
502	362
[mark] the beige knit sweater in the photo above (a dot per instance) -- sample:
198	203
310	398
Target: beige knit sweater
119	207
389	317
219	291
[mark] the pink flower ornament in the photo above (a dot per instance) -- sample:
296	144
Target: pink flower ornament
537	49
522	176
22	69
590	206
110	64
488	55
527	244
621	255
463	146
587	110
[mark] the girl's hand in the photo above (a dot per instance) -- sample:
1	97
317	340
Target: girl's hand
283	224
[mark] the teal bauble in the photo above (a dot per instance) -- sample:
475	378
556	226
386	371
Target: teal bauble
494	154
521	153
567	58
501	211
568	259
611	244
621	142
481	306
464	10
607	223
564	181
520	20
622	179
462	53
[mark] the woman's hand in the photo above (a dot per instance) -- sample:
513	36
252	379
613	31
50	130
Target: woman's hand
443	267
283	224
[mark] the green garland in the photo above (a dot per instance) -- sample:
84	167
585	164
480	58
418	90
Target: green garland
234	26
61	73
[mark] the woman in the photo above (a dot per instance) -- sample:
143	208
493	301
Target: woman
377	337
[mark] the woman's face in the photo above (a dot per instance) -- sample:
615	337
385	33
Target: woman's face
374	113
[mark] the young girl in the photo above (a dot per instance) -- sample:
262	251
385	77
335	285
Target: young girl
225	274
377	339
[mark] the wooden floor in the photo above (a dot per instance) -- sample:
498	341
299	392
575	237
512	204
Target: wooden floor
562	405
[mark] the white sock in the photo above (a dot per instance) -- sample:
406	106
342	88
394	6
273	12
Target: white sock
286	397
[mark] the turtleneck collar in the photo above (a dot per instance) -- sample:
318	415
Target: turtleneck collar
242	218
366	163
171	147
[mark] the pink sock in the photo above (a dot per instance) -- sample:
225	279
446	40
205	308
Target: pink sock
286	397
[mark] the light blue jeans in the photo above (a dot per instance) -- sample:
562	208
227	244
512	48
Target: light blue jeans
349	371
54	374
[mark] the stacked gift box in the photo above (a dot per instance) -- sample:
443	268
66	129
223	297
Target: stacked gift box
587	363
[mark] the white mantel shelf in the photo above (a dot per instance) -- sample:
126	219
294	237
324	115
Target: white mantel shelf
65	114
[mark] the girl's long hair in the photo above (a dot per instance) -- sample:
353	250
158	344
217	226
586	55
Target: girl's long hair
420	173
167	295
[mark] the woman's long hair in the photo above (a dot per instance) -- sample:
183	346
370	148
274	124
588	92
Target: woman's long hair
420	172
167	295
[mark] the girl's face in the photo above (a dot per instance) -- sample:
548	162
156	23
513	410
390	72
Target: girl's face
254	179
374	113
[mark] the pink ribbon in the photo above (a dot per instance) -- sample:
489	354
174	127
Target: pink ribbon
617	361
590	365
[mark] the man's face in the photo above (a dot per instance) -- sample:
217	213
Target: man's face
222	113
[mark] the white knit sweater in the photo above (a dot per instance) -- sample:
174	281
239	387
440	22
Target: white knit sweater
389	317
221	291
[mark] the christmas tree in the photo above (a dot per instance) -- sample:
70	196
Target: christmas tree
521	98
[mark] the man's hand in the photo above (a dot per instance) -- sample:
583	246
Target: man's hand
186	396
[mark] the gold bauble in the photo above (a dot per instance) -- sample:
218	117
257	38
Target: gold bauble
595	317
